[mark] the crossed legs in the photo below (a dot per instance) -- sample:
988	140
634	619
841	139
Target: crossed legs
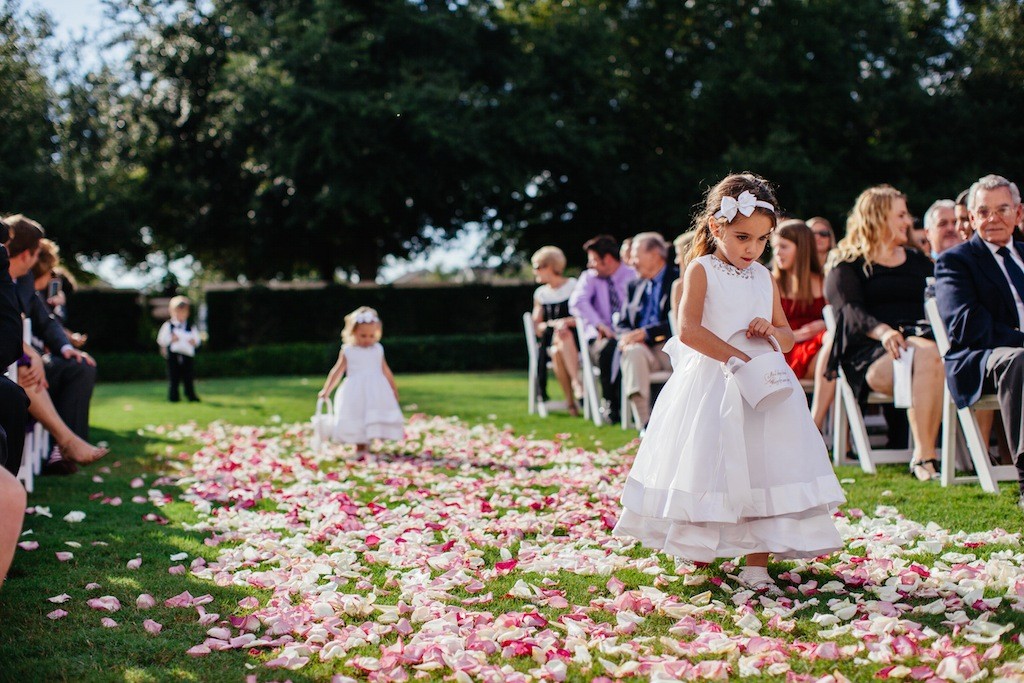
927	381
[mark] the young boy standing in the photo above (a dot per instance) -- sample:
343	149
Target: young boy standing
178	341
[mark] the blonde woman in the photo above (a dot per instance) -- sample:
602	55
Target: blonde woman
876	286
555	326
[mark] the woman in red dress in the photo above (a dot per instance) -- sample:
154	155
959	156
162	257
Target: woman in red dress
801	283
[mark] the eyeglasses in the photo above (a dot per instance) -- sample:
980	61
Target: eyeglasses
1004	211
822	233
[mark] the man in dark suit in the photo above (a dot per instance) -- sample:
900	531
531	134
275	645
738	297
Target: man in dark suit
13	402
68	374
644	321
979	288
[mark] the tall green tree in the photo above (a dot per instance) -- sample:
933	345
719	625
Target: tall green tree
308	136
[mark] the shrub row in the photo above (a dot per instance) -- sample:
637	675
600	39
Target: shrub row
257	316
121	321
452	353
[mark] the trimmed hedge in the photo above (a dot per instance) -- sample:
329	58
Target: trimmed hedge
451	353
258	316
114	319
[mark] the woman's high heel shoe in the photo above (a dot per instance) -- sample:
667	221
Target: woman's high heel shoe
924	470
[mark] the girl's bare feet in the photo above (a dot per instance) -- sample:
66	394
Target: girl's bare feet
81	452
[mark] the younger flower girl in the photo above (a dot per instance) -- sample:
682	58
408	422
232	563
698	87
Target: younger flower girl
366	405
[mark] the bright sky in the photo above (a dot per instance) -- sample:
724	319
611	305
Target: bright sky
72	18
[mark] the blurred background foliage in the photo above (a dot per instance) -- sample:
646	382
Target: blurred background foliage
282	138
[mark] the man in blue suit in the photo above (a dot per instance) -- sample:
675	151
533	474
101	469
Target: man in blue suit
979	287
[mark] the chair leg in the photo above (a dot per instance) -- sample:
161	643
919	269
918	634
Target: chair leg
624	410
978	450
949	440
840	425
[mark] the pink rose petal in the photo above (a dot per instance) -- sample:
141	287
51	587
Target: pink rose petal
63	597
152	627
145	601
108	603
28	545
57	614
134	563
64	556
107	622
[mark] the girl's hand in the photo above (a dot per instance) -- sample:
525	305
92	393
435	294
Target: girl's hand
324	393
759	327
893	342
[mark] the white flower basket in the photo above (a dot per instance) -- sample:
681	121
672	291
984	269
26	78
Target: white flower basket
323	422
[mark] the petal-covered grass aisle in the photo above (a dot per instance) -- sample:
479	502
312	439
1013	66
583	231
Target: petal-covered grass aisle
470	552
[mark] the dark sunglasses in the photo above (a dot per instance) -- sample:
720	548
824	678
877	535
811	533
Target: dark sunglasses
821	233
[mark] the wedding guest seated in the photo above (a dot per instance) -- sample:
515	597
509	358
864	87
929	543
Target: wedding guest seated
876	287
940	227
801	285
71	384
13	402
979	289
644	326
824	237
963	216
598	299
555	325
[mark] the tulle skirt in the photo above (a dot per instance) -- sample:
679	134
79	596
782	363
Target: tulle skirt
365	408
714	478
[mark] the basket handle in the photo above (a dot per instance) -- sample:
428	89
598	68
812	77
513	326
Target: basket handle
324	401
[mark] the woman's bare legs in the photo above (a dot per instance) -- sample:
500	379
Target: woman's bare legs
72	446
824	388
566	367
12	512
925	416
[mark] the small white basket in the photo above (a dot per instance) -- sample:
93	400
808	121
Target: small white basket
765	380
323	422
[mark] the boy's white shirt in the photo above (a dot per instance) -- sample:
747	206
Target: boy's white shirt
183	345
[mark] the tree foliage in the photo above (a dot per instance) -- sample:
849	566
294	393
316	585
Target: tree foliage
289	137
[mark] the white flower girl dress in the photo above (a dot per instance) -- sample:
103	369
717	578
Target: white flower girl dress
365	407
715	478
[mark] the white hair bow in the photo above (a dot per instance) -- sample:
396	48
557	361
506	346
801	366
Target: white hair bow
745	204
366	317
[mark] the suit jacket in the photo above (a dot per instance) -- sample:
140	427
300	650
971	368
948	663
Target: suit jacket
977	307
10	316
633	306
44	325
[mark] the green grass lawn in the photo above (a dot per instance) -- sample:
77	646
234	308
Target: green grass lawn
34	648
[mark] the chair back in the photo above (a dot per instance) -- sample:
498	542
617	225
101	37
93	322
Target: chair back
531	338
931	309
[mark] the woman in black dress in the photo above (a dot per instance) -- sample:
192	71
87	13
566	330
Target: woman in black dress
876	287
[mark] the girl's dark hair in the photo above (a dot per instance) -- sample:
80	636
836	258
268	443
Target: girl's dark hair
732	185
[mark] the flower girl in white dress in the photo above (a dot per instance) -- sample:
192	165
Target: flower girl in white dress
366	406
713	476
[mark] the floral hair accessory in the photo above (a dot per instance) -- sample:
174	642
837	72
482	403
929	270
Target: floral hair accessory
366	317
745	204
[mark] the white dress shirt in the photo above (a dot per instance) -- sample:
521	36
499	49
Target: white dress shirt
1015	255
186	342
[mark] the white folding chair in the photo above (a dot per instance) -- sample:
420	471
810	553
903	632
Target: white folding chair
846	414
590	375
36	441
534	403
961	420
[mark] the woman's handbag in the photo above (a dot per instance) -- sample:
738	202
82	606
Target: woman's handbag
765	380
323	422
